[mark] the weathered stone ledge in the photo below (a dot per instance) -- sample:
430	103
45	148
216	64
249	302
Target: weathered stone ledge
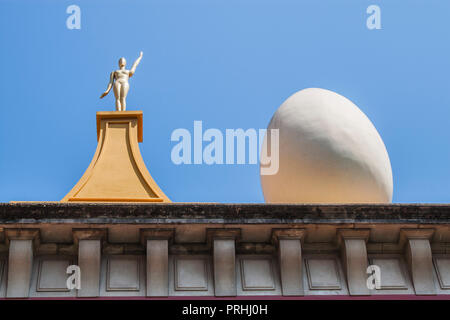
111	213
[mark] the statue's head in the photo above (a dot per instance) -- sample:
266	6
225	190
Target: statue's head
122	62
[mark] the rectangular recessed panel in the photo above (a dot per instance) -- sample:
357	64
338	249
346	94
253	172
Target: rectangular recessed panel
442	266
323	274
191	274
392	275
123	274
52	275
257	274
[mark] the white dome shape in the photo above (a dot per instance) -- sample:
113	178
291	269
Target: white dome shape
329	152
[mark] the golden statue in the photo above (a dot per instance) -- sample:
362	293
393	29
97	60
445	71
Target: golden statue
119	80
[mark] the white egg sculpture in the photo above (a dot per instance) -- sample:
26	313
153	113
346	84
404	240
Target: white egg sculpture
329	152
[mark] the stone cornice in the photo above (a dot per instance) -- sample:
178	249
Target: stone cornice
55	212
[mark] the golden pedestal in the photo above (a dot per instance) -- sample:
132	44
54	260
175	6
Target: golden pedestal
117	172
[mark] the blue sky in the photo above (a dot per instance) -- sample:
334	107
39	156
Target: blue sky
229	63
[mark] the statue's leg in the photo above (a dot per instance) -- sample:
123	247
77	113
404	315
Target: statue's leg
117	89
123	95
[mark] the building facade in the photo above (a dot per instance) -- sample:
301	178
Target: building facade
223	250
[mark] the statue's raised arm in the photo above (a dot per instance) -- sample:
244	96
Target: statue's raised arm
135	64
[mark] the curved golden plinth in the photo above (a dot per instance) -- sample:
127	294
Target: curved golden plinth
117	172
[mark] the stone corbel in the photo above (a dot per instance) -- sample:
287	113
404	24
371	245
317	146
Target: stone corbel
416	243
289	243
352	243
89	244
156	242
22	244
223	243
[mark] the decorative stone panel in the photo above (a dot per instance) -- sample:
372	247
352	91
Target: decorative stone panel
442	266
49	276
190	275
394	274
257	275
